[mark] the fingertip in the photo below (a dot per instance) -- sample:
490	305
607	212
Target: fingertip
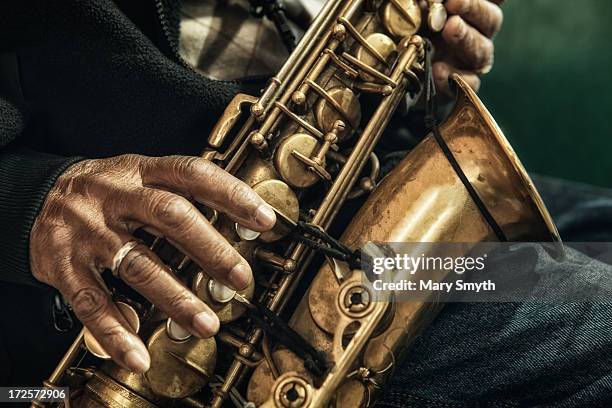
240	276
454	30
206	324
457	6
473	80
137	362
136	358
265	217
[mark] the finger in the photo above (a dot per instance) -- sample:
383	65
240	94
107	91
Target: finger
473	48
484	15
442	71
93	306
175	218
210	185
146	273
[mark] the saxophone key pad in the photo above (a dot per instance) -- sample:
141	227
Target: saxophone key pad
384	45
284	200
175	331
220	298
179	368
342	105
402	17
292	170
246	234
436	18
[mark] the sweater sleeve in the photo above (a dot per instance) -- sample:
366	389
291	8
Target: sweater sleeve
26	176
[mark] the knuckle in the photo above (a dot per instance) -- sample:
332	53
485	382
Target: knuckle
113	333
89	303
138	269
180	302
239	193
221	258
185	165
440	73
469	6
174	211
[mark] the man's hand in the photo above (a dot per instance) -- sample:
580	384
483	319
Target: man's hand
91	213
466	45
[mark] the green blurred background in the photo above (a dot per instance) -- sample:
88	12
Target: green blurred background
551	86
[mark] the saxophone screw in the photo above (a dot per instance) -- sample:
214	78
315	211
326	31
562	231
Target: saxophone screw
293	395
356	299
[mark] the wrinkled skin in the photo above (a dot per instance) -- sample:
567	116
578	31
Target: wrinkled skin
91	213
465	45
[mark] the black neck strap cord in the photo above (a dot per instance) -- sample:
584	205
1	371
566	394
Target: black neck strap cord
431	122
320	241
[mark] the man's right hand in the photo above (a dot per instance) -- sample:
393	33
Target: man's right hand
94	208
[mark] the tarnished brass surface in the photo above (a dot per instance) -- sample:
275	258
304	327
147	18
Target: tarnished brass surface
179	369
385	47
401	17
291	169
104	391
263	379
280	196
306	147
342	104
423	200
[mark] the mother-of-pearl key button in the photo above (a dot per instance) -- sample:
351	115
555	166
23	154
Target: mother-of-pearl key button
175	331
219	292
246	234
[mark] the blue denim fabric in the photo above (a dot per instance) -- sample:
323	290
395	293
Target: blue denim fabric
520	355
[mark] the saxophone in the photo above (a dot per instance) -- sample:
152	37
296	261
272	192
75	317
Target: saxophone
307	332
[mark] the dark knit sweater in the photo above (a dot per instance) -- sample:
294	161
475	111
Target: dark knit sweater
89	78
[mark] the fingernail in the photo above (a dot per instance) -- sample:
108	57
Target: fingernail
265	215
461	29
239	277
137	360
206	324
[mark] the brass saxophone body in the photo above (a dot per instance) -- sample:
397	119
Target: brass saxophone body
306	146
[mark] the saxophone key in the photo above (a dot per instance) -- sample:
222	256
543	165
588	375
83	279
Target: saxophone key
179	368
402	17
220	297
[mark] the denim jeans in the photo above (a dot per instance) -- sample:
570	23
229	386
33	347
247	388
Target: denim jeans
520	354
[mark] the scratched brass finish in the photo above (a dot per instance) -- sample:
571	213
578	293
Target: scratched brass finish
384	46
306	146
344	105
293	171
401	17
179	368
280	196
